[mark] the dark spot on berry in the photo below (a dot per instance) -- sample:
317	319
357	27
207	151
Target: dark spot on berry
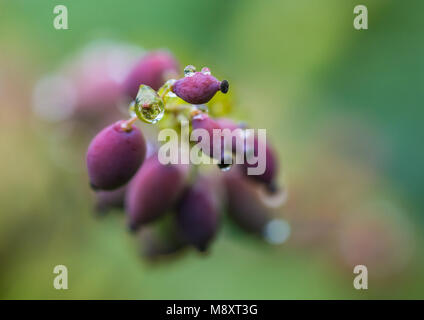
272	188
224	86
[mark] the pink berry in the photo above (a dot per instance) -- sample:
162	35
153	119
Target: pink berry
269	176
114	156
153	191
152	70
198	88
203	121
244	205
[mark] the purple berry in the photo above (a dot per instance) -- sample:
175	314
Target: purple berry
203	121
271	165
198	214
114	156
226	123
153	191
244	205
152	70
198	88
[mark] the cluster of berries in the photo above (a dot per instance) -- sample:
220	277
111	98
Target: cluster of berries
173	206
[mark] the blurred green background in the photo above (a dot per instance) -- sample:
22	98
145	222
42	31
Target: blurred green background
340	105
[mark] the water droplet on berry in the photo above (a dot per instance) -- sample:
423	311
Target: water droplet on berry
189	70
149	107
202	107
277	231
226	162
224	166
206	71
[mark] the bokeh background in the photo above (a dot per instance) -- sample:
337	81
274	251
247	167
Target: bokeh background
341	106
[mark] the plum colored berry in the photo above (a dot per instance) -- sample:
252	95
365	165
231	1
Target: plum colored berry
271	165
152	70
114	156
237	132
198	214
199	87
153	191
244	205
203	121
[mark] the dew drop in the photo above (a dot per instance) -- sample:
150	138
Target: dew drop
206	71
226	162
224	166
202	107
149	107
131	109
277	231
189	70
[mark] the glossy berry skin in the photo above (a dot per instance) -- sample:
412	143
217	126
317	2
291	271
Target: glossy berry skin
203	121
244	205
198	214
152	70
114	156
198	88
153	191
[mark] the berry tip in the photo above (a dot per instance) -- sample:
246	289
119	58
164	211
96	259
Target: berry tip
224	86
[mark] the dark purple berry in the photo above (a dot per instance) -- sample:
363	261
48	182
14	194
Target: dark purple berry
237	133
244	205
152	70
114	156
153	191
198	88
203	121
268	177
198	214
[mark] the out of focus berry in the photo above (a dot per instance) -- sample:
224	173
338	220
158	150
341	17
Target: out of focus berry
244	205
198	214
107	200
152	70
153	191
114	156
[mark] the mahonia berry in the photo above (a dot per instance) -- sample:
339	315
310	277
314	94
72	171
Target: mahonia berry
114	155
271	165
153	191
199	87
237	133
202	120
152	70
198	214
244	205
